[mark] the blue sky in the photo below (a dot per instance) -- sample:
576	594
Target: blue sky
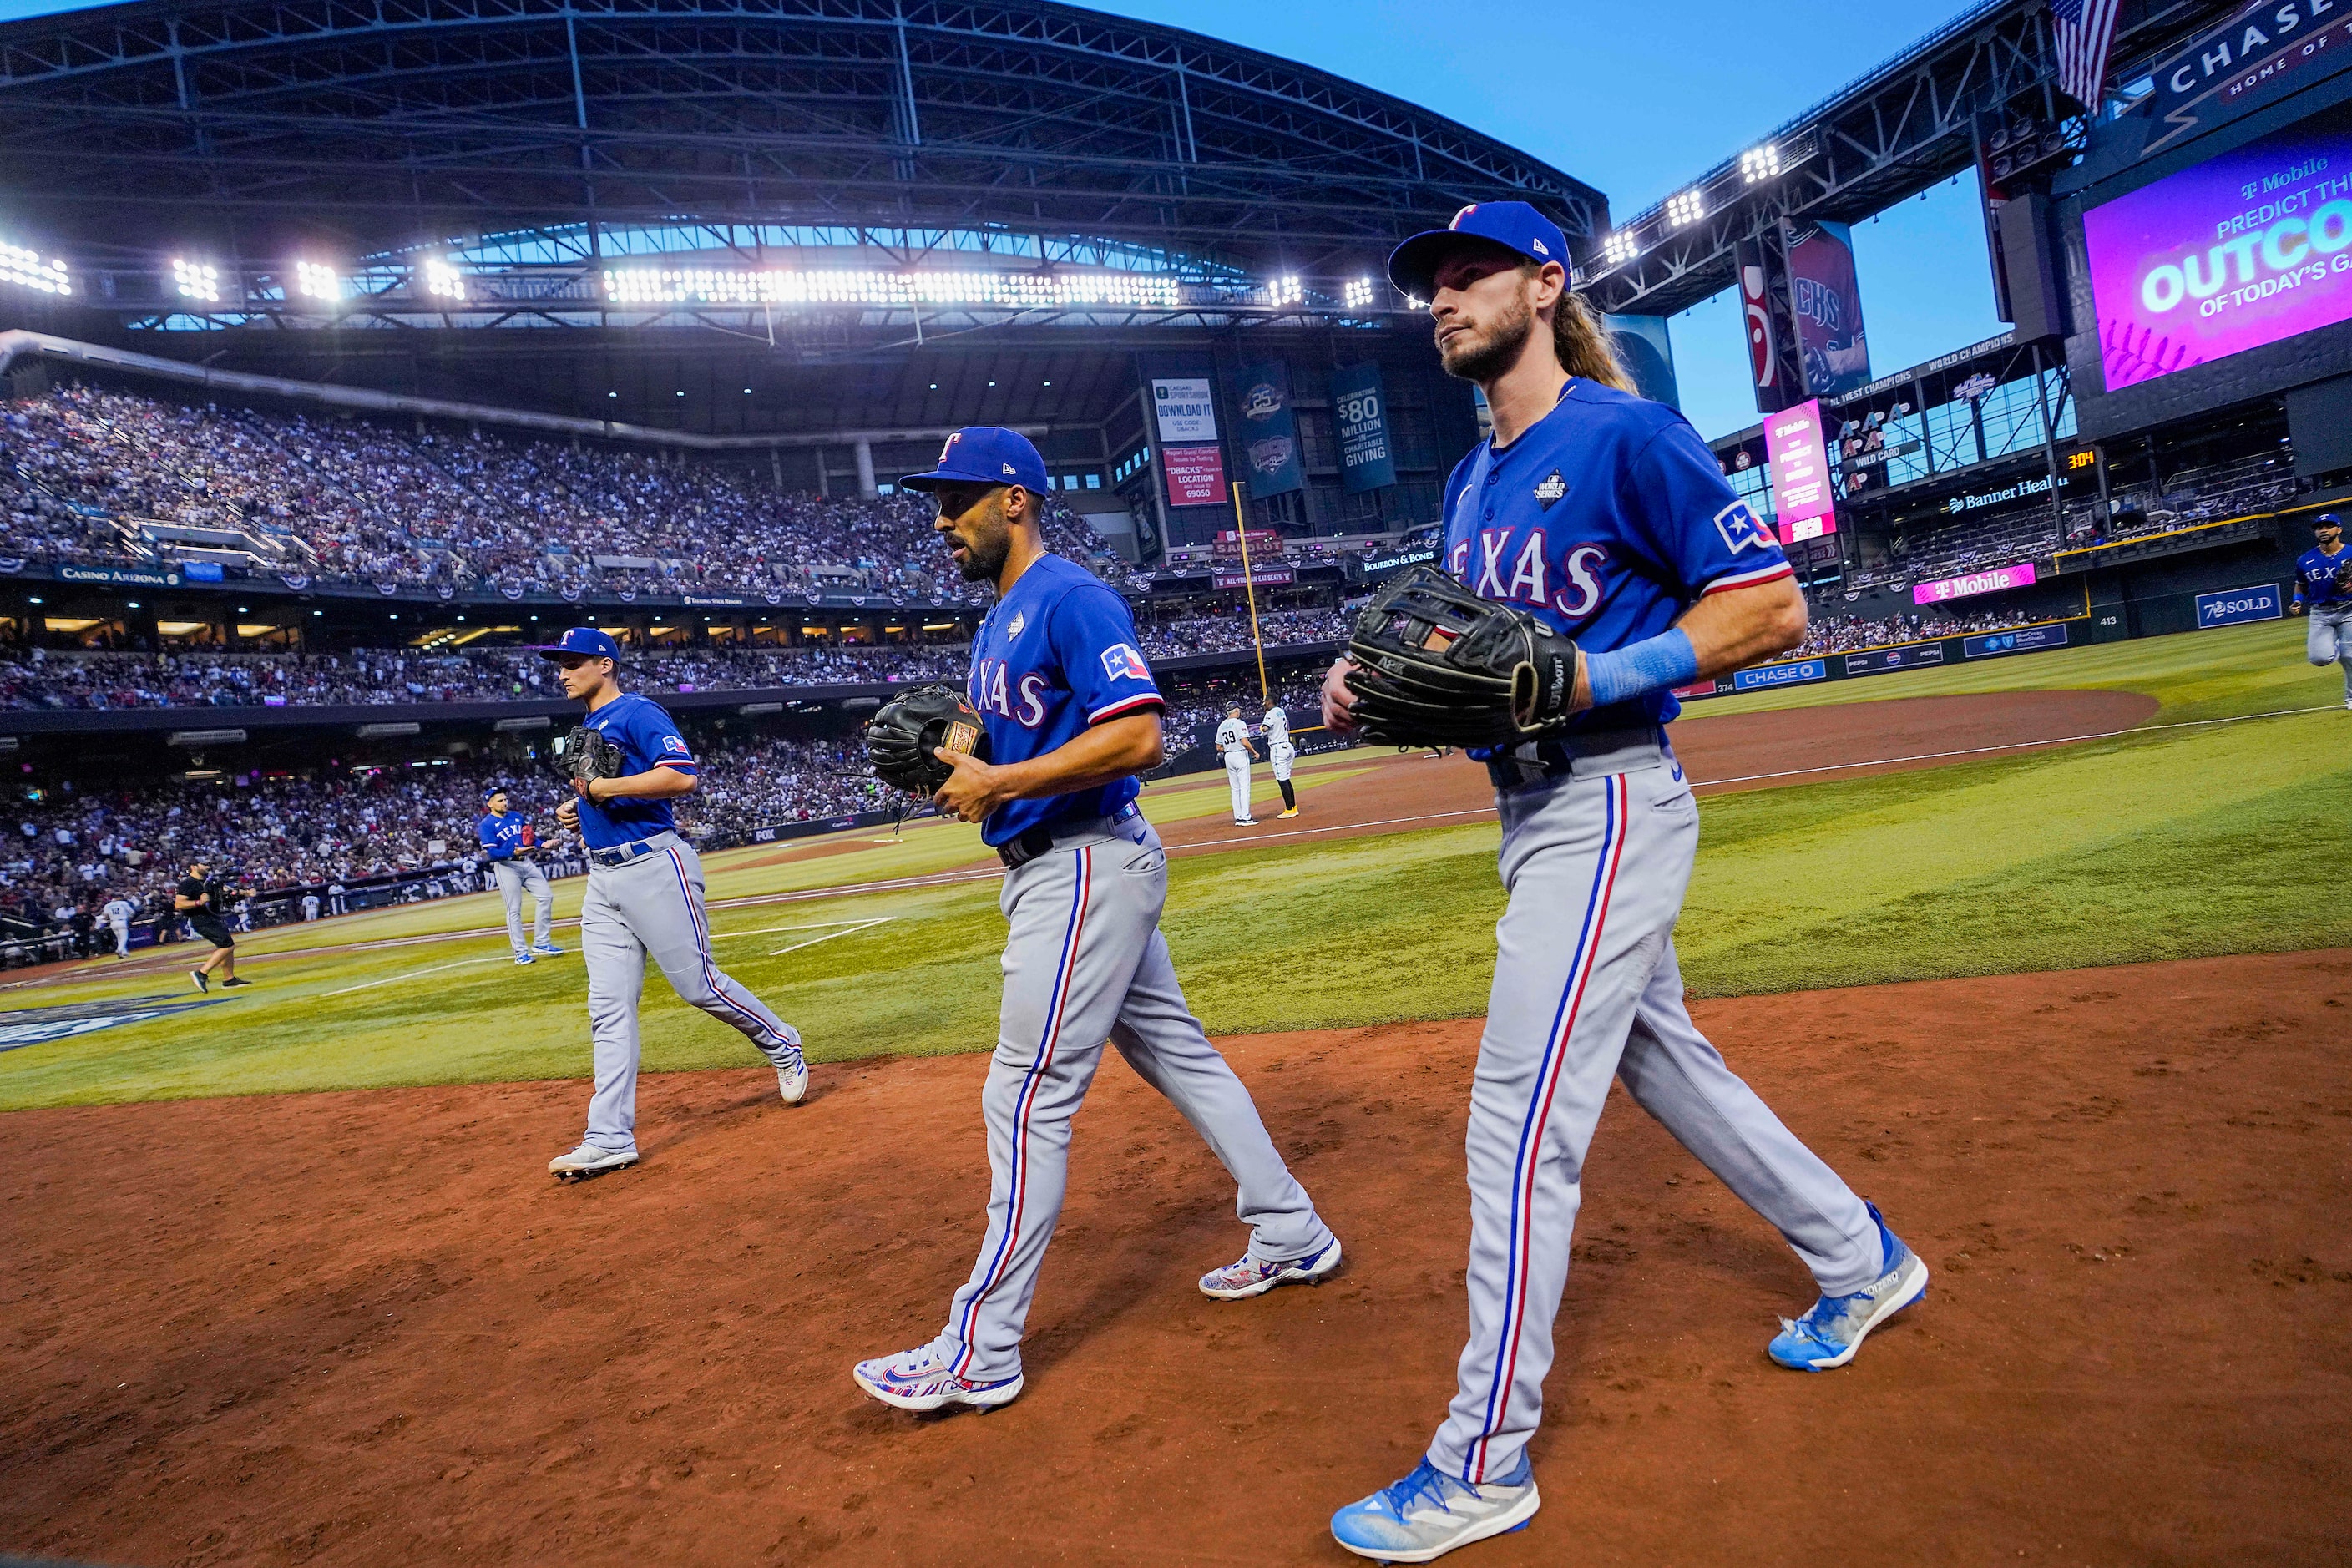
1637	110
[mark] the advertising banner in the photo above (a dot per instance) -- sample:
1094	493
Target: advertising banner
119	576
2019	641
2268	48
1761	272
1256	577
1270	431
1802	489
1360	411
2233	605
1262	542
1825	305
1878	660
1185	410
1795	674
1643	345
2253	246
1991	581
1379	568
1196	475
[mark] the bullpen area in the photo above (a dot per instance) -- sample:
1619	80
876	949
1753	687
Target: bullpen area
2048	955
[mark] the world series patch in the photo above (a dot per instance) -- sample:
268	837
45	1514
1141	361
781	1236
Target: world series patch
1552	488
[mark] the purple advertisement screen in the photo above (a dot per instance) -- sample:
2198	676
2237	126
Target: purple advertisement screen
2250	247
1803	497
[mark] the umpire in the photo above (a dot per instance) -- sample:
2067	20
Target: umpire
507	838
197	901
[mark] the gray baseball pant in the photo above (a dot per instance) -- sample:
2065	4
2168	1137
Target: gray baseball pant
2328	639
1586	988
515	877
1238	784
1084	963
654	905
122	930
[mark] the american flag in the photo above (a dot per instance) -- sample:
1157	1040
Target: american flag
2085	28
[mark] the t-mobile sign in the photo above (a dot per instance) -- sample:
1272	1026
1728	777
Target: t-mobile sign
1993	582
1801	472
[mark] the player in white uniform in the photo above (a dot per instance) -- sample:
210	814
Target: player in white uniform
116	912
1233	740
1280	754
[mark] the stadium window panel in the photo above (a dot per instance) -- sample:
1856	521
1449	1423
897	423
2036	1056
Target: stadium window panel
1094	482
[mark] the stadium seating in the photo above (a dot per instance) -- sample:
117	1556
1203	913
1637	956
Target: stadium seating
110	477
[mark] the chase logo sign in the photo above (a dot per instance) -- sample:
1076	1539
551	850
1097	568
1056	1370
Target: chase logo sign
38	1026
1781	675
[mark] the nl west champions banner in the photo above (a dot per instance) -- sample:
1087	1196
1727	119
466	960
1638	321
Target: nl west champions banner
2250	248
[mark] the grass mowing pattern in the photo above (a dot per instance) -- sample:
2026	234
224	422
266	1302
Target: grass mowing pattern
2165	844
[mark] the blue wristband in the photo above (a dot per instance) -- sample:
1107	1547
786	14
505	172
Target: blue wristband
1622	674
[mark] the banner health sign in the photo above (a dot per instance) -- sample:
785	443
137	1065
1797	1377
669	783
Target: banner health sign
1360	408
2249	247
1826	303
1270	431
2231	605
1801	472
1991	582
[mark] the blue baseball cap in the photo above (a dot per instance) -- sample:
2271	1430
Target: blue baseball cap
1514	225
494	792
985	455
581	639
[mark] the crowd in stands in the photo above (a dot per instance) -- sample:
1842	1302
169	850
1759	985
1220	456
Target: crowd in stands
1229	631
85	475
1844	633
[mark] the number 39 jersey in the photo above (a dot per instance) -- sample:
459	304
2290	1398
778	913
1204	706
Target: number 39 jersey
1607	519
1056	655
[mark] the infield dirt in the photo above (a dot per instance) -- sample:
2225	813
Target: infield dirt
364	1329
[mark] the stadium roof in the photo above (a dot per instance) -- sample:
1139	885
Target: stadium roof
528	143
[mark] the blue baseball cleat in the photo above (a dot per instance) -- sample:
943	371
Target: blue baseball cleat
523	958
1828	1335
547	950
1429	1513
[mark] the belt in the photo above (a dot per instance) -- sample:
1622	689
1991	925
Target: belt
1040	839
1584	754
635	850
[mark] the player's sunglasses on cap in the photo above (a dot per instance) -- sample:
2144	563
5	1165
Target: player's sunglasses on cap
985	455
585	641
1514	225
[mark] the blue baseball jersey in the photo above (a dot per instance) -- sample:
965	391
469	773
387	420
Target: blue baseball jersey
647	739
502	833
2315	576
1607	519
1056	655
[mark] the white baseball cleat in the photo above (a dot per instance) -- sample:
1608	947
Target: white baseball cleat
792	1079
588	1161
1250	1277
919	1380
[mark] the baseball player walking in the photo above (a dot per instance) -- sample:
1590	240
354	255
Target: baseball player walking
645	896
1233	740
1073	716
508	840
1605	517
2322	589
1280	754
116	912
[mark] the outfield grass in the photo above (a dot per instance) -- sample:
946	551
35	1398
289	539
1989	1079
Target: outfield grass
2166	843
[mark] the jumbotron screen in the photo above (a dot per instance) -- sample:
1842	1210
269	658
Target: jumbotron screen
2252	247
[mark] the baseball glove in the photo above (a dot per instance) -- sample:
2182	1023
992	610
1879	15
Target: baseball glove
1438	665
901	736
2344	578
586	754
